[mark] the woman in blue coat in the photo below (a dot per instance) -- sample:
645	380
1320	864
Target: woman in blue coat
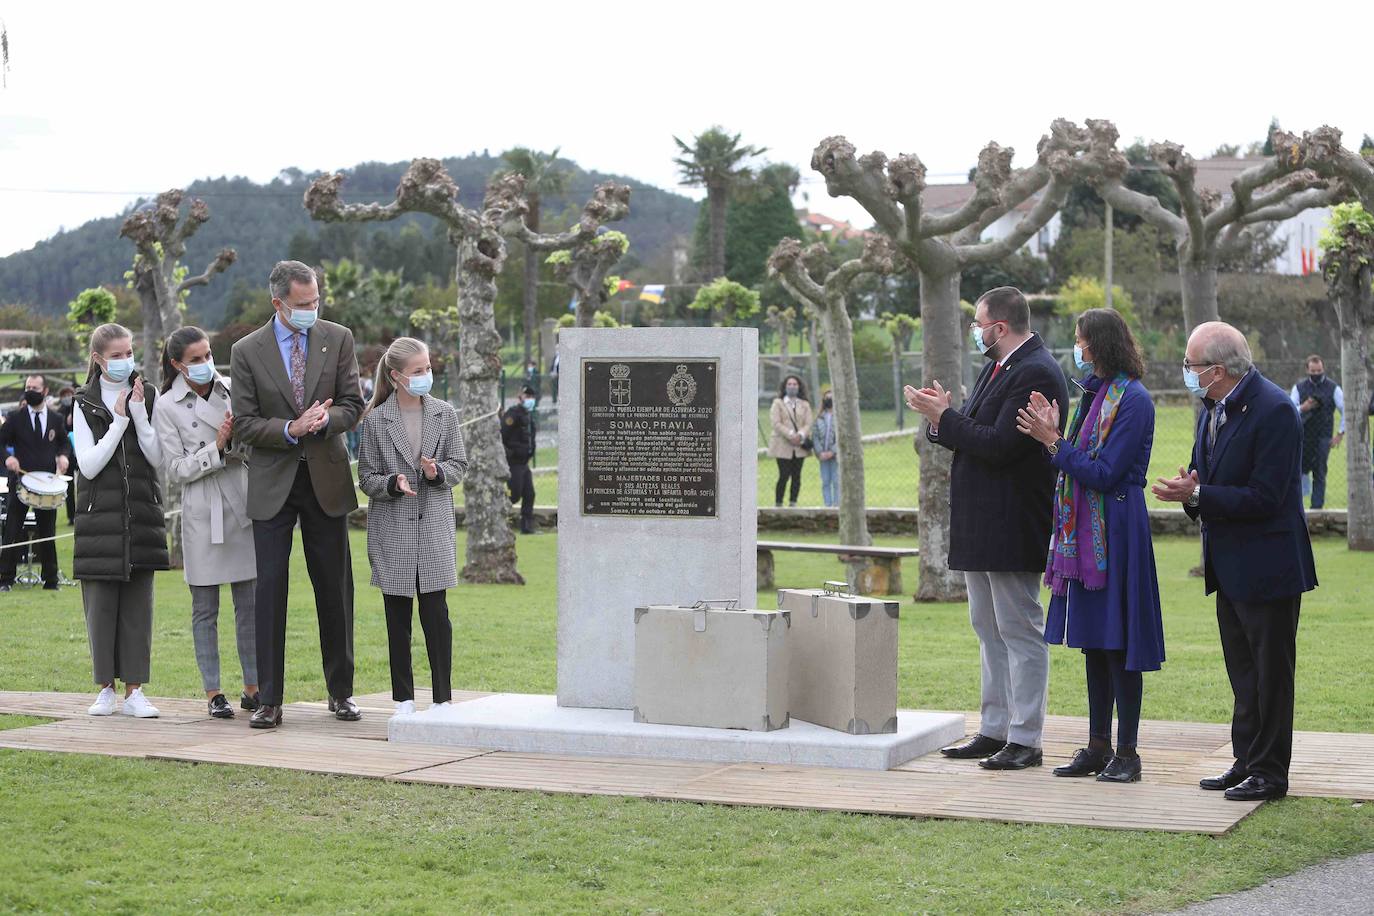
1101	568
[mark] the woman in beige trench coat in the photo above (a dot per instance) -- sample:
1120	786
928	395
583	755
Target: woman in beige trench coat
791	420
195	430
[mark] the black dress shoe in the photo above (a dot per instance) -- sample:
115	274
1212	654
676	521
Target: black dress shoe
1121	769
1256	788
1232	777
265	717
220	708
976	747
1085	763
345	709
247	702
1014	757
50	586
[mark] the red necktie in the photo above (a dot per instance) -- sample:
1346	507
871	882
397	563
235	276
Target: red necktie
996	368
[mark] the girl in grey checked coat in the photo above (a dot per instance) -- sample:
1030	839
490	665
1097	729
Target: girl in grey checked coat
410	457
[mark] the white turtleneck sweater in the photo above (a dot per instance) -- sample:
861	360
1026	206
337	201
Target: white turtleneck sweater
92	456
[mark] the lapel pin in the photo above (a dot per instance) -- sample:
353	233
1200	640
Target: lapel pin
324	349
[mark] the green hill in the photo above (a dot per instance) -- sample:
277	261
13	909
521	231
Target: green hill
266	222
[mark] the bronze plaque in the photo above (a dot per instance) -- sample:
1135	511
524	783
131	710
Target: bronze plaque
649	437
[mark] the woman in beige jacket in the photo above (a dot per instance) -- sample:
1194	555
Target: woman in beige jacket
791	419
201	455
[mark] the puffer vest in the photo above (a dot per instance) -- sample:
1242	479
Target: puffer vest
119	524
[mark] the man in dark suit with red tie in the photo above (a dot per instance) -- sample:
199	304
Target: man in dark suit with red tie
1001	497
38	437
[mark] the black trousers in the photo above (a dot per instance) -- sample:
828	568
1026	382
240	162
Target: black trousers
1315	458
789	469
46	520
1259	642
328	560
438	644
522	489
1110	684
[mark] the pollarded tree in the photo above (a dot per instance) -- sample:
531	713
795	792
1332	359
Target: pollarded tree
159	234
480	239
1209	231
727	302
940	246
585	268
1348	266
804	274
542	178
714	161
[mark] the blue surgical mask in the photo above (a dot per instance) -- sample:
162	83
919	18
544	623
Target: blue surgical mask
1194	384
976	335
119	370
529	403
419	385
201	373
303	319
1078	360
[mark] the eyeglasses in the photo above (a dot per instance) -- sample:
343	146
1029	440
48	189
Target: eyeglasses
975	324
1190	366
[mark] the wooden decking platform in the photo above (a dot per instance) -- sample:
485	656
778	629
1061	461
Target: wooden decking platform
1176	755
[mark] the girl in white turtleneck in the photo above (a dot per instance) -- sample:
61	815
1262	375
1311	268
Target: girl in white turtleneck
120	534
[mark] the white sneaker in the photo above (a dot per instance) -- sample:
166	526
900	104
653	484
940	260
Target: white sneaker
405	708
137	705
104	704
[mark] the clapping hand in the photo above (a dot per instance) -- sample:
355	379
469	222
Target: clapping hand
1175	489
928	402
1039	419
311	420
430	468
403	485
121	407
62	464
136	393
226	432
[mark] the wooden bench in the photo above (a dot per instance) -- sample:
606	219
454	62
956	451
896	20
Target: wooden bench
882	576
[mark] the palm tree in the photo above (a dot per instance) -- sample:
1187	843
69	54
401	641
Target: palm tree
713	162
541	178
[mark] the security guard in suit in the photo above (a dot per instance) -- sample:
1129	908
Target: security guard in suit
37	437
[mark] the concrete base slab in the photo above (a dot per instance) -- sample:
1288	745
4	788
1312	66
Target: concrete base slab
537	724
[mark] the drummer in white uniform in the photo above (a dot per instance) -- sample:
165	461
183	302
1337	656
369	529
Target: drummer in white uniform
34	440
196	432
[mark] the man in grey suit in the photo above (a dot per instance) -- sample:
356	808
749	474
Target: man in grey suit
295	397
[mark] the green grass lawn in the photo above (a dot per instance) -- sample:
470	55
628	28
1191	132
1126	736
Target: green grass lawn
119	835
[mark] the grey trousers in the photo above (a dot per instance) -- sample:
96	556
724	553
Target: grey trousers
1006	613
119	624
205	631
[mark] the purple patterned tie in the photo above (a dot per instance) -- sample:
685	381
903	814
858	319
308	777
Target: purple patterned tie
298	371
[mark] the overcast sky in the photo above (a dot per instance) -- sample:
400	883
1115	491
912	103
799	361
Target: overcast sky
108	101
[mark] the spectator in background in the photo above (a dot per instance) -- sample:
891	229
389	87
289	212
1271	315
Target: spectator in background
532	379
553	375
1317	398
824	441
517	435
67	406
790	415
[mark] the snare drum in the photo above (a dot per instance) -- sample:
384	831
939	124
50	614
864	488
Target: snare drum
43	490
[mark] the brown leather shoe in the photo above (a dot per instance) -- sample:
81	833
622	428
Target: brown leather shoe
265	717
345	709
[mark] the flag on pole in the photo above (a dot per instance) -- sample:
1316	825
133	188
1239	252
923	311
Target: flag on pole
652	292
624	285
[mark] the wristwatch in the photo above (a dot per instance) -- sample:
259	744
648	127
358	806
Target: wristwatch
1195	496
1053	448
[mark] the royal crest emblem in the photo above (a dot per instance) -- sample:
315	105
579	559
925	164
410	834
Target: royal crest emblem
620	385
682	388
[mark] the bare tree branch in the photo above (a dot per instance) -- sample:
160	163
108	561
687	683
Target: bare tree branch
1294	204
862	179
221	263
788	264
993	174
1321	151
1043	211
609	202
